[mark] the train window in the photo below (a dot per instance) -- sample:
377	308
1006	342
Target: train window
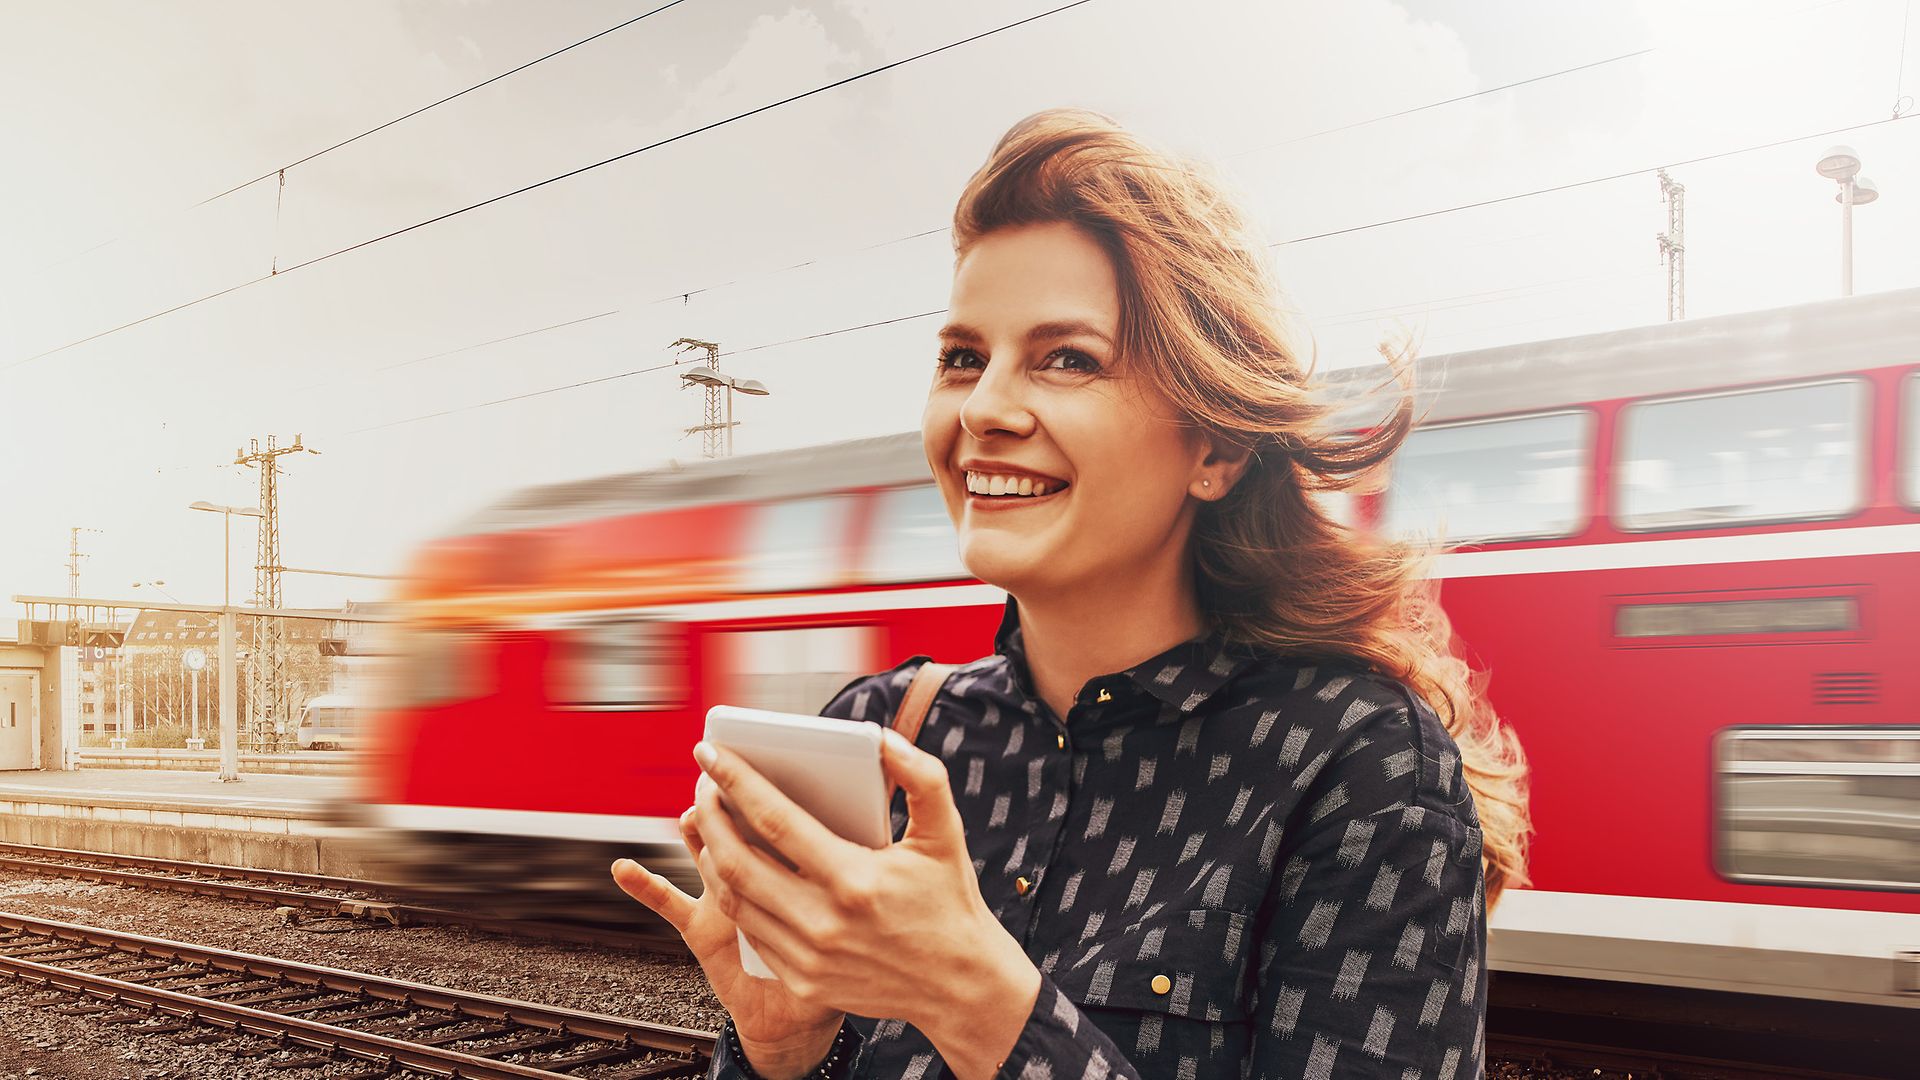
795	544
616	664
1508	479
1819	806
797	670
913	538
434	667
1910	425
1791	453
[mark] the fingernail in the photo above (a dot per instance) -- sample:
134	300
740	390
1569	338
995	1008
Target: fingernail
898	741
620	864
703	754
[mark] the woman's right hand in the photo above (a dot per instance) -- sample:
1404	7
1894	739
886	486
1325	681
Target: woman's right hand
781	1034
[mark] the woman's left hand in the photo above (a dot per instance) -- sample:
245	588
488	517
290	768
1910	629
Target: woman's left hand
900	931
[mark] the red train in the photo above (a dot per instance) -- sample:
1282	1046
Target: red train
1690	560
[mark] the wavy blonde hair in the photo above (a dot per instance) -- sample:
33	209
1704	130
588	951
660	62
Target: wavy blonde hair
1202	318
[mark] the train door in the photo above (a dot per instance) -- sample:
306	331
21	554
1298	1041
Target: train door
19	722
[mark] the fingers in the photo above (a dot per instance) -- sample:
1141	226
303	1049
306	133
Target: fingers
690	834
762	808
778	943
728	862
930	810
656	892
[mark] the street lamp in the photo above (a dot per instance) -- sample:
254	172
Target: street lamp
156	587
1841	165
226	558
710	378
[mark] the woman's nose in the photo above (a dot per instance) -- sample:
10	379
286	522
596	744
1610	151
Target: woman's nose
997	404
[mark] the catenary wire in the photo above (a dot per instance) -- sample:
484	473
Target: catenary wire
560	177
436	104
1591	181
1281	243
281	171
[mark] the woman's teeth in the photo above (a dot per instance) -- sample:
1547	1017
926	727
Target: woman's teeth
991	484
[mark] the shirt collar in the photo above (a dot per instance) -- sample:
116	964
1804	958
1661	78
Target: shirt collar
1184	676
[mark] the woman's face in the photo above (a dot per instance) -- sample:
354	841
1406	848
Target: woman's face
1029	397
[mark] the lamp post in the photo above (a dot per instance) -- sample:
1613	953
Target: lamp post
229	648
710	378
153	687
1841	165
226	557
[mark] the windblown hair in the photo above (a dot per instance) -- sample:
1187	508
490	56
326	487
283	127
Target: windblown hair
1203	323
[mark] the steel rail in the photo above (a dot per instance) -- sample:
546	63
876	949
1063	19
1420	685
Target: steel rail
696	1046
396	913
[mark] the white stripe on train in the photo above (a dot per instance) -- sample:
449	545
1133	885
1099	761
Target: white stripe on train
1629	555
1830	954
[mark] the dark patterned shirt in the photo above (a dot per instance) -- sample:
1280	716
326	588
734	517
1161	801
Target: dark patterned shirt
1224	864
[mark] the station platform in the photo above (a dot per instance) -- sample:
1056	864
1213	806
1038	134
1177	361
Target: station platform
267	820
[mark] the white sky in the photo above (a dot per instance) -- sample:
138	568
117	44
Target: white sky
122	116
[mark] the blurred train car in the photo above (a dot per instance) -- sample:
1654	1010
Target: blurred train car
1689	558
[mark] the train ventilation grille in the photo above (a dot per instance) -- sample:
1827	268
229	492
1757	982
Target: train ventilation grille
1846	688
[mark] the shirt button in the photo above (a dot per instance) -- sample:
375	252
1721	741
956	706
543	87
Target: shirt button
1060	741
1021	885
1162	984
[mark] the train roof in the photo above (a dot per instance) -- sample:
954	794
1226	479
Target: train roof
1752	347
1801	341
882	461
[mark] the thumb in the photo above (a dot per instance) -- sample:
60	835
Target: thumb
930	810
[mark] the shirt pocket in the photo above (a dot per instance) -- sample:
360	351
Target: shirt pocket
1189	964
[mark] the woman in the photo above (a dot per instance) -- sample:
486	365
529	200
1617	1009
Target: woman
1221	803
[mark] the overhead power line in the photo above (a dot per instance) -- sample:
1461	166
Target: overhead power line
1593	180
436	104
282	170
436	219
1446	101
637	371
1281	243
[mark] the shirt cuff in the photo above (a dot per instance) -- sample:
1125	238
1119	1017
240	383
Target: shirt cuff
1061	1040
728	1065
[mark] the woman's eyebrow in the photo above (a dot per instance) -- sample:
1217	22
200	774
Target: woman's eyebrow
1046	331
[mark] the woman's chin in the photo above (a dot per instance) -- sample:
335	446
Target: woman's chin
1003	565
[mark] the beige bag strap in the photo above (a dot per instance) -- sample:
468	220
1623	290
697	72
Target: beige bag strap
913	708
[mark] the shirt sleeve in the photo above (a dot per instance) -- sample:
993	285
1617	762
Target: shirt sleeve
727	1065
1372	966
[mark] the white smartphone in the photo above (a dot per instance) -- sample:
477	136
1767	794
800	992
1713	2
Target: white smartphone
829	767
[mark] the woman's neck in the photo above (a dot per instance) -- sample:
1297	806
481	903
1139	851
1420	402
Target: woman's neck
1084	633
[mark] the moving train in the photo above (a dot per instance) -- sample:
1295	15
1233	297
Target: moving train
1688	555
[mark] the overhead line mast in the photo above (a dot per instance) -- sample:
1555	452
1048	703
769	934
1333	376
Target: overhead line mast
269	705
1673	246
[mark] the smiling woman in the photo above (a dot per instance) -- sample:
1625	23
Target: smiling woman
1220	802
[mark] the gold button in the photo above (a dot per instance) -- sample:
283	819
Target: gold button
1021	885
1162	984
1104	696
1060	741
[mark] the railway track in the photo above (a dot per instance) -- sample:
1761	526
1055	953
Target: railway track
369	900
201	994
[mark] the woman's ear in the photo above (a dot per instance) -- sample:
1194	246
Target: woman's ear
1221	468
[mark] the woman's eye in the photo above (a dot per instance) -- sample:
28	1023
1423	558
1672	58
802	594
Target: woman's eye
1071	360
957	358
